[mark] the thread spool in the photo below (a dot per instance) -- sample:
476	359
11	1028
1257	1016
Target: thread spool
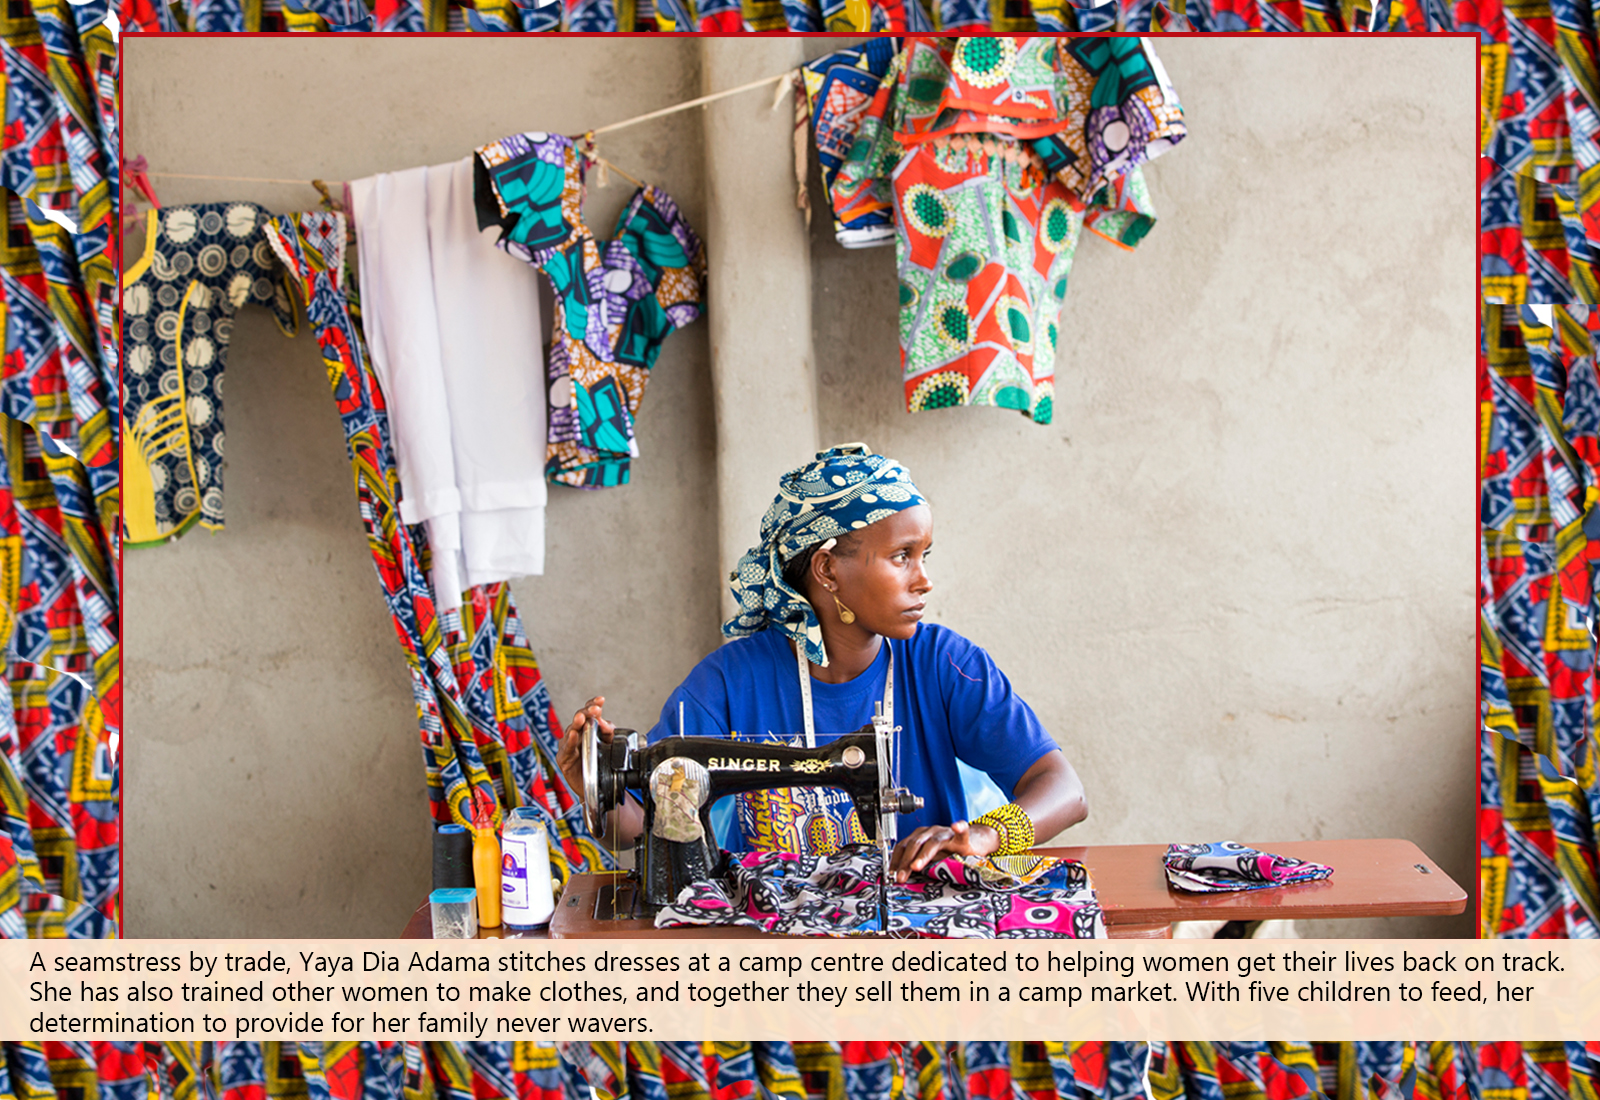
527	898
452	858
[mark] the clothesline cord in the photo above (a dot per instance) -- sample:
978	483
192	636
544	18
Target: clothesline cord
763	82
700	102
264	179
229	179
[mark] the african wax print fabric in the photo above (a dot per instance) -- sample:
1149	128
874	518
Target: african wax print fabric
1039	1070
60	146
837	895
841	490
383	1070
1540	478
839	88
487	722
838	16
53	377
899	1070
994	154
1227	865
59	486
840	1070
1276	1070
615	303
61	832
327	15
200	265
1539	791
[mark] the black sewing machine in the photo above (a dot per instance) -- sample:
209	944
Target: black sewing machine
678	779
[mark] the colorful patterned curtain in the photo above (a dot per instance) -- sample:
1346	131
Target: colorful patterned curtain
1539	454
1081	1071
59	498
799	1071
838	16
488	726
292	1071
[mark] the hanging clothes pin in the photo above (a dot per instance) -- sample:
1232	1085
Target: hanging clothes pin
136	171
328	202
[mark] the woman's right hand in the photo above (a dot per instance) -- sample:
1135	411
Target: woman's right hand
569	754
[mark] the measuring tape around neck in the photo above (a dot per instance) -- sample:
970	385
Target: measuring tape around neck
805	692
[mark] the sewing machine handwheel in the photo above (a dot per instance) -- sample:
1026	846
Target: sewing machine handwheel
594	815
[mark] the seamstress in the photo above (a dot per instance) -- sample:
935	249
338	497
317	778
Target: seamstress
830	624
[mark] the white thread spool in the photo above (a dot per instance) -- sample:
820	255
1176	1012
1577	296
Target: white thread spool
526	897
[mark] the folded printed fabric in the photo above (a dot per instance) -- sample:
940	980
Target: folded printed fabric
1016	897
1228	865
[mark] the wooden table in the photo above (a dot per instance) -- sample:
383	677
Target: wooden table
1371	878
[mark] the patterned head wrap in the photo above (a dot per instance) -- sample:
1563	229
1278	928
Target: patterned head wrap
845	489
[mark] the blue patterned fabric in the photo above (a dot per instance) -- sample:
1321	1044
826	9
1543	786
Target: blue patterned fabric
839	88
200	265
844	489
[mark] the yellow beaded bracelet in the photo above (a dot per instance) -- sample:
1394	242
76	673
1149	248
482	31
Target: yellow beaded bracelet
1014	826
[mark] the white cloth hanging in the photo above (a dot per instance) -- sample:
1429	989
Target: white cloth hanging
452	324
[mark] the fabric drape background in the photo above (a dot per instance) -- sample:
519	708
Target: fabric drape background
1539	462
59	494
487	724
1036	1070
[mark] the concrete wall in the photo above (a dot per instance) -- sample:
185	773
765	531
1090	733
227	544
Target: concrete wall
275	786
1235	576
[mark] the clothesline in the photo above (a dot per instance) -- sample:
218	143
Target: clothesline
684	106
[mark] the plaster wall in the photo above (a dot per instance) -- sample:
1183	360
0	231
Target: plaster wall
1234	577
275	781
1235	574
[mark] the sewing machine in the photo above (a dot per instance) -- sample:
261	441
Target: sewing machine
677	781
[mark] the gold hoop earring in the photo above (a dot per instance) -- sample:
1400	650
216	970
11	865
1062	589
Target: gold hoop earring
846	616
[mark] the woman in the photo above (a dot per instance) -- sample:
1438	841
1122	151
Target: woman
831	603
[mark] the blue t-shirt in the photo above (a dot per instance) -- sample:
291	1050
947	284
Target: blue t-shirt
951	702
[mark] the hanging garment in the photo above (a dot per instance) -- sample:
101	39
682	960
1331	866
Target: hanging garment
839	87
832	895
200	265
1225	865
59	159
615	302
487	723
994	154
453	326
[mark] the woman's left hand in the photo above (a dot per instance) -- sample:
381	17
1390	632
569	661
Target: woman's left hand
933	842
